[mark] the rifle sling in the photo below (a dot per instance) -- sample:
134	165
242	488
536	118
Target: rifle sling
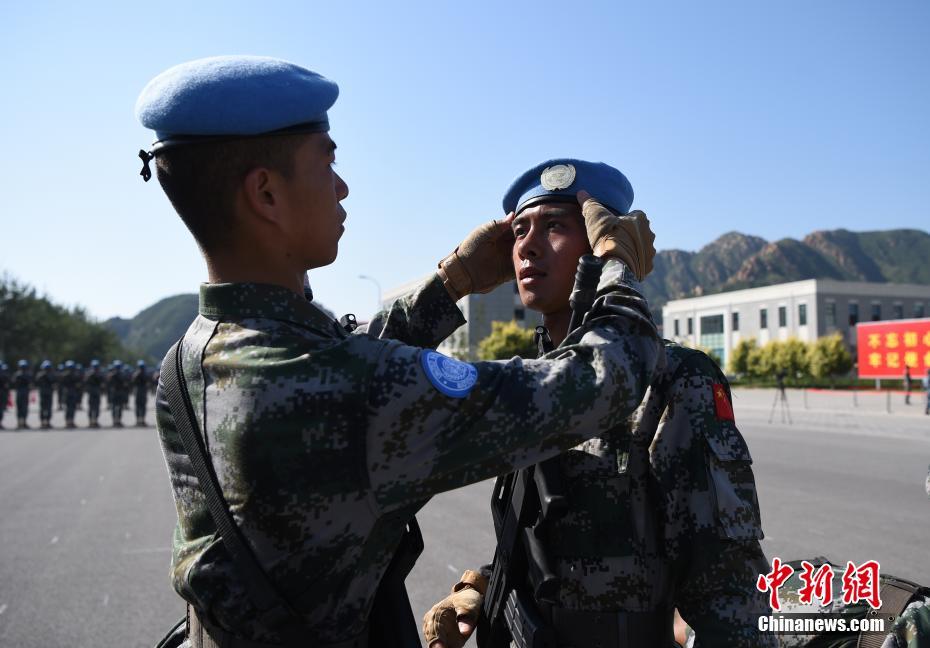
276	613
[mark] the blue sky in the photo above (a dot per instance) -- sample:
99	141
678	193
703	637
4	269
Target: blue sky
774	119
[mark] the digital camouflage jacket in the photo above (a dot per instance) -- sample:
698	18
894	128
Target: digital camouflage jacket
325	444
663	511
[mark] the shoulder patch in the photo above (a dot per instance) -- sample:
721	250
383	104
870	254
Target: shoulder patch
450	376
722	403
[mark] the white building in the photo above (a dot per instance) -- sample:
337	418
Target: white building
805	310
500	305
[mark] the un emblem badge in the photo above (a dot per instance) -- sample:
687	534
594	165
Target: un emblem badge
560	176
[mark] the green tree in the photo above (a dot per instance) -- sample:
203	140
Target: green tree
761	360
34	328
829	357
739	357
791	356
507	339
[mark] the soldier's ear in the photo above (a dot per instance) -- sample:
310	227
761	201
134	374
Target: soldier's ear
261	193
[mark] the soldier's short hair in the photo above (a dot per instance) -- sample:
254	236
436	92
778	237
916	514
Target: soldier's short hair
201	179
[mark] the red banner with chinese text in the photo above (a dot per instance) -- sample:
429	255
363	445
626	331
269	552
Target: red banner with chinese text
885	348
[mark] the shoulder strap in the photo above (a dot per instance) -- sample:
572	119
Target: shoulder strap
276	613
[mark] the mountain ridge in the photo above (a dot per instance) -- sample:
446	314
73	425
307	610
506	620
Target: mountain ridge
732	261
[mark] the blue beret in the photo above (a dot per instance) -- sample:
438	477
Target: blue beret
562	178
226	96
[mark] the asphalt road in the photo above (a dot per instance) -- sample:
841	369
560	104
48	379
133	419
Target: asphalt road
86	515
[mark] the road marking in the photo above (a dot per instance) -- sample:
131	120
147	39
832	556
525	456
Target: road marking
146	550
2	608
54	540
452	569
106	600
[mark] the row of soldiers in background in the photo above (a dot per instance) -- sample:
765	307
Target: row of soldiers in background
72	381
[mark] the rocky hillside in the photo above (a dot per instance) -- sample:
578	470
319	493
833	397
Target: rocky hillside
737	260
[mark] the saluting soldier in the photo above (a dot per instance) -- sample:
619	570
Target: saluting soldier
326	443
661	509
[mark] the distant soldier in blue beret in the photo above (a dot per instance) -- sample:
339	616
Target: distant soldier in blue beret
94	382
325	443
140	386
72	379
22	383
45	383
4	390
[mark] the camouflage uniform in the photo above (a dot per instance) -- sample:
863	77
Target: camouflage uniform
73	392
140	384
22	382
45	382
662	513
118	384
325	444
4	391
94	381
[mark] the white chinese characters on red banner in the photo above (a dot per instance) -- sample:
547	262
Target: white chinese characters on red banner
884	349
860	583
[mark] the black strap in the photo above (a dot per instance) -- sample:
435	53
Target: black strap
276	614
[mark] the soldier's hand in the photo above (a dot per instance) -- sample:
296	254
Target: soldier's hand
481	262
627	238
450	623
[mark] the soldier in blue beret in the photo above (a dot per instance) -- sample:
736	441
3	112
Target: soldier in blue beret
22	383
45	381
642	531
325	442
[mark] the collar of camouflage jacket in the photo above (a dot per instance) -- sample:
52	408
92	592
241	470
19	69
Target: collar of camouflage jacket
243	300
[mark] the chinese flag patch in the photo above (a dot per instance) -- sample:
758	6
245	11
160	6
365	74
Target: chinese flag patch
722	404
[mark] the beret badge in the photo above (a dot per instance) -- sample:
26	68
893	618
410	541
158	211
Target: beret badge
560	176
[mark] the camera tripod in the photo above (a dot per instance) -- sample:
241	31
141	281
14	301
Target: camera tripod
781	397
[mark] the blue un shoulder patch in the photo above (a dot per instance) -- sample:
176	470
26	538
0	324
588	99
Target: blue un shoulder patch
450	376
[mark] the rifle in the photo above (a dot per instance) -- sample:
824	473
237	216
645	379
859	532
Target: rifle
523	503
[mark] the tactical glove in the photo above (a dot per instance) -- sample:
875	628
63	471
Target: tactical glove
481	262
441	623
627	238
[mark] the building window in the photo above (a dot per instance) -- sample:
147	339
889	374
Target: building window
677	332
519	314
782	316
853	313
712	335
831	313
876	312
763	318
802	315
918	309
897	311
735	326
690	326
